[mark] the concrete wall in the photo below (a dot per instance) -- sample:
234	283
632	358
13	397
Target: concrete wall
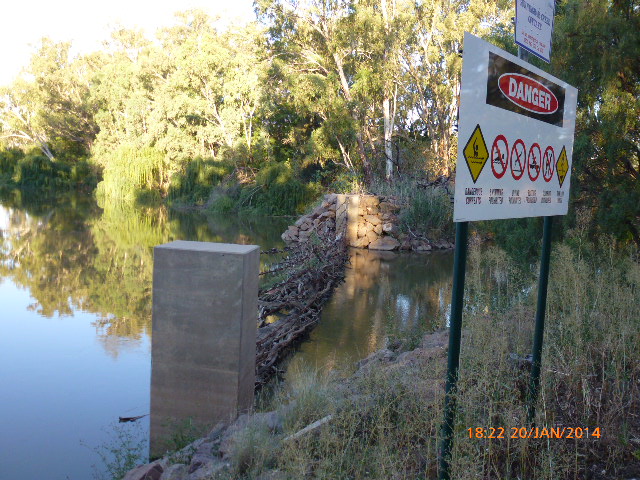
203	335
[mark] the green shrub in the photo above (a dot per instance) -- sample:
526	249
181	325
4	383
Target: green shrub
194	185
129	170
425	210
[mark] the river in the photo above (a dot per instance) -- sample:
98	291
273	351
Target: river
75	315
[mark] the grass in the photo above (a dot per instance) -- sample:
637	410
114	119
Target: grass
425	211
386	423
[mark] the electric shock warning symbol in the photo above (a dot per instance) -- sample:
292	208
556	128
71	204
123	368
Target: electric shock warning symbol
562	167
499	156
475	153
533	162
518	159
548	164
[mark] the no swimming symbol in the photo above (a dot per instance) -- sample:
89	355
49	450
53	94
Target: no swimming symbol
499	156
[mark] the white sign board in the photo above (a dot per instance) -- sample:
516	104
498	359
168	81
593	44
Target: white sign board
515	139
534	26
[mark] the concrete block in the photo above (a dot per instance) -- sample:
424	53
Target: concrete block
203	335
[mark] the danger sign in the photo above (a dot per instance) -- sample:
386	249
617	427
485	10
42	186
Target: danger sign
520	121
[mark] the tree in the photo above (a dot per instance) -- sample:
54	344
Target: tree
596	49
52	103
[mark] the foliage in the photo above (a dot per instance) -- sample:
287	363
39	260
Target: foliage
276	191
34	170
124	450
424	210
385	420
130	171
596	50
199	177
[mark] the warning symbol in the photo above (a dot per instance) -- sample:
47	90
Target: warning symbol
533	162
562	166
548	164
499	156
518	159
475	153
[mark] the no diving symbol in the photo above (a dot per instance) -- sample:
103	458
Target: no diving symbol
533	162
499	158
518	159
548	164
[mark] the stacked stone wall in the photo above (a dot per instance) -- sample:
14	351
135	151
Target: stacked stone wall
362	221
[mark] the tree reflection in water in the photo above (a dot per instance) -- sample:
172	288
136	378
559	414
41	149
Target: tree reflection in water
72	254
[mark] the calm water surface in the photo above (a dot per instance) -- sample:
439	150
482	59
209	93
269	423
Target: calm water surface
75	316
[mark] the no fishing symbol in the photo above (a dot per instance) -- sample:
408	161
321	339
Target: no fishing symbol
499	158
518	159
533	162
548	164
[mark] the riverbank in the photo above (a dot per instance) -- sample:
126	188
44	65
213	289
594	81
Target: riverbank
383	421
311	405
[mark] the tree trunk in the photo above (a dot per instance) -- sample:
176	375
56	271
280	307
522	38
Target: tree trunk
347	94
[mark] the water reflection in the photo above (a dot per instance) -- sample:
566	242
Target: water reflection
382	292
72	255
75	290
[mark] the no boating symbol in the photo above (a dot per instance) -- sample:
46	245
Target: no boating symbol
518	159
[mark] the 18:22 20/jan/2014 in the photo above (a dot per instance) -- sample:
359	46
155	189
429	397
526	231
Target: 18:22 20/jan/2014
534	432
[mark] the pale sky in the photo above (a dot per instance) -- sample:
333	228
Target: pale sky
87	23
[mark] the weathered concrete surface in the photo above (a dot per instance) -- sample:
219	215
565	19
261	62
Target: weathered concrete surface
203	335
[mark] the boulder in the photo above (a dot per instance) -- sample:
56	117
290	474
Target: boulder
328	214
150	471
385	243
361	243
373	219
372	210
378	229
372	236
405	245
177	471
389	228
369	200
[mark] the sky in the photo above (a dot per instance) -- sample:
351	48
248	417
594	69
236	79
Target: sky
87	23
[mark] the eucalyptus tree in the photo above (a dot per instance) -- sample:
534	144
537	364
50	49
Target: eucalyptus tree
596	47
315	45
50	103
433	63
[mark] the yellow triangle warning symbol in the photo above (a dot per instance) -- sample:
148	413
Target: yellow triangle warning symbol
475	153
562	166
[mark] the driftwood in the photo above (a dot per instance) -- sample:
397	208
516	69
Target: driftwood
290	308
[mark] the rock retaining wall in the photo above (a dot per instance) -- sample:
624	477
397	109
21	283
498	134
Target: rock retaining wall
363	221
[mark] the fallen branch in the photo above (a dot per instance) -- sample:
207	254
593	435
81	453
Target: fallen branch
313	269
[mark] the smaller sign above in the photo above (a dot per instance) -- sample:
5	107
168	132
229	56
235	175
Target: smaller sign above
534	26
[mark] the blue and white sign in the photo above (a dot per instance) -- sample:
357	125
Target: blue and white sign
534	26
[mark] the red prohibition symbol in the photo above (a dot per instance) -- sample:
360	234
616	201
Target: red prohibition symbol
518	159
499	158
533	162
548	164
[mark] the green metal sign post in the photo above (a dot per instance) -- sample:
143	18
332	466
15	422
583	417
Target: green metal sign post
538	336
455	332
